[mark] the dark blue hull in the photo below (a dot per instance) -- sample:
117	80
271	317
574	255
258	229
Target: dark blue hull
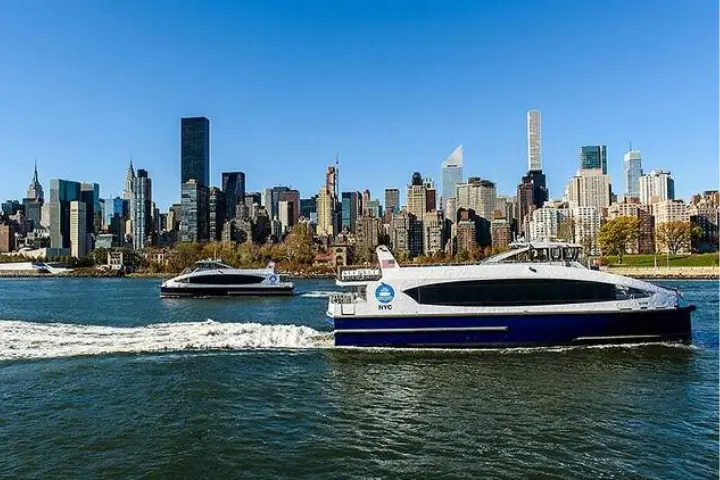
557	329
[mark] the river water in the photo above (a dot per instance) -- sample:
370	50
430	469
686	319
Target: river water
101	378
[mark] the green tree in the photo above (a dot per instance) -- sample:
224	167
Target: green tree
566	230
674	236
617	235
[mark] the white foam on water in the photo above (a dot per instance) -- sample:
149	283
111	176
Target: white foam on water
319	293
25	340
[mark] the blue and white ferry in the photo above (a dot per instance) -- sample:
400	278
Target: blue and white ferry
536	294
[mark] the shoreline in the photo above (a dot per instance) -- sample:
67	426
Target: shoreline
667	275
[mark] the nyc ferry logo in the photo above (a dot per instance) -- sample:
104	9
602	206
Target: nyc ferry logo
384	294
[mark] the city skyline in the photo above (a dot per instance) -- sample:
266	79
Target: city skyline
381	138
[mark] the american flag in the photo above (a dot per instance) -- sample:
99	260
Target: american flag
387	263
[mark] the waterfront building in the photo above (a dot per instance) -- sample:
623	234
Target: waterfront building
392	199
233	187
195	150
142	210
368	232
90	195
633	172
433	228
593	157
534	140
645	242
670	211
656	186
7	236
705	218
350	207
589	188
62	192
78	233
217	214
452	175
587	225
194	226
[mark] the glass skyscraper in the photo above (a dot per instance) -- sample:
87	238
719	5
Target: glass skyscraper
594	156
142	210
233	186
350	201
392	199
195	150
452	174
633	172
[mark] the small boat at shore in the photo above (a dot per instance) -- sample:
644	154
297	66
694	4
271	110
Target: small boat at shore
536	294
212	278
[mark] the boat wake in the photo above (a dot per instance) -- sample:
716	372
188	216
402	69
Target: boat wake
28	340
318	294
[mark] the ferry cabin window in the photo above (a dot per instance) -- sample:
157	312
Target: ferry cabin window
226	279
512	292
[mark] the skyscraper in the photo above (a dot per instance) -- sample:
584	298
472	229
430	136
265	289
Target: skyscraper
78	235
142	210
416	207
589	188
129	182
217	213
195	150
633	171
325	213
656	186
233	186
452	174
392	200
62	192
34	200
90	194
350	201
195	217
293	197
594	156
534	140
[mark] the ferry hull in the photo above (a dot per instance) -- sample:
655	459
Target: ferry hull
504	331
215	292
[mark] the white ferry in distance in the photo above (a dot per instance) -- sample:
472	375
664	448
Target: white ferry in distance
537	294
212	278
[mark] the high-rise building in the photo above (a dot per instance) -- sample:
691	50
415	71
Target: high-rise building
332	182
325	212
293	197
62	192
233	186
645	241
416	197
350	207
430	195
195	212
34	201
433	240
7	237
217	214
195	150
452	175
272	197
286	213
466	235
392	199
478	195
142	210
308	207
656	186
594	157
546	221
589	188
400	232
705	218
534	140
365	200
78	235
129	183
531	194
633	171
90	195
500	234
587	226
368	232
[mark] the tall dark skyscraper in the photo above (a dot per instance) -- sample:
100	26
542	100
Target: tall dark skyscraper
594	156
233	186
195	150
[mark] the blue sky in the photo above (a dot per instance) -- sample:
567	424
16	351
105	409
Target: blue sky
393	85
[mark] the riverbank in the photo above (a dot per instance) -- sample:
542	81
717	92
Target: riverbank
667	273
